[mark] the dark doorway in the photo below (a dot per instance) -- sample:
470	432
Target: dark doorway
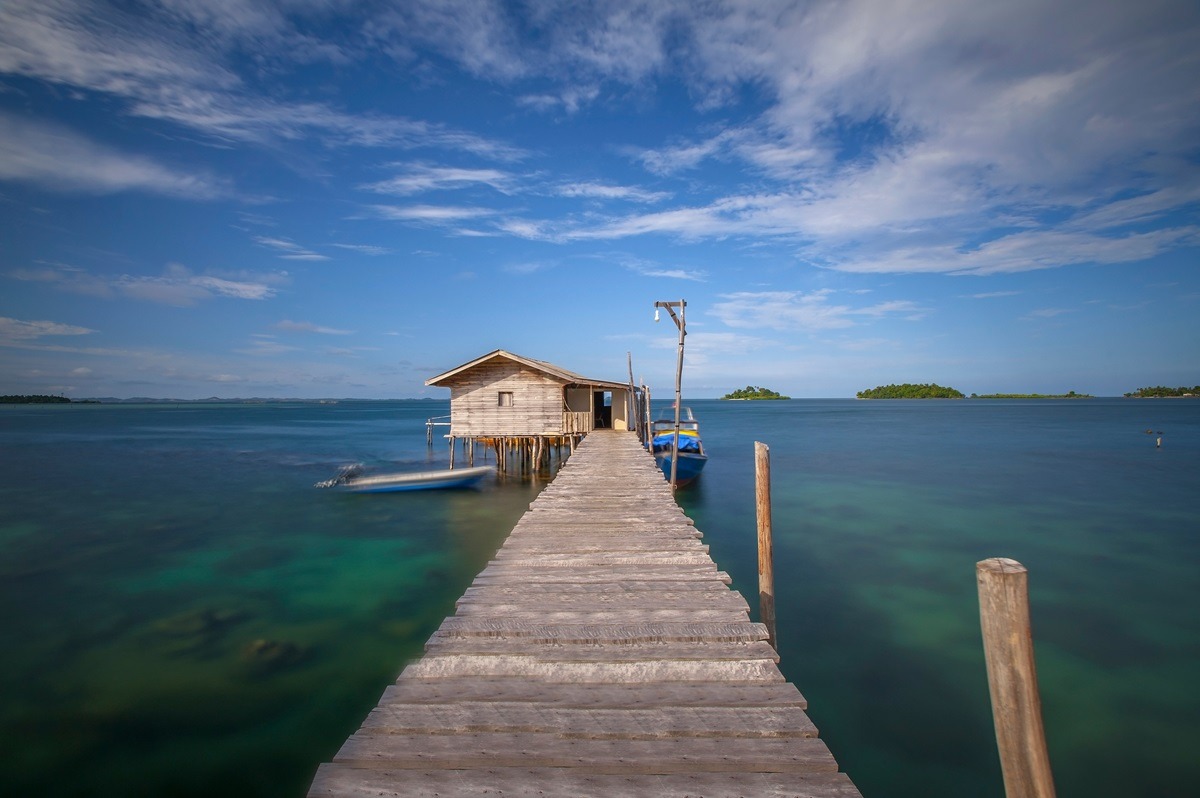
603	415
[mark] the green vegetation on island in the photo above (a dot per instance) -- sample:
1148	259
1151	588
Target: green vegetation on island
1067	395
1160	391
754	392
33	399
910	391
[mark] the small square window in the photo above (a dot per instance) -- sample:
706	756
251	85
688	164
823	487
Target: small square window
506	399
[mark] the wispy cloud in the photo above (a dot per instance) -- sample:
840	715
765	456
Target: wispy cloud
307	326
606	191
154	62
18	330
266	346
1046	313
431	214
794	310
365	249
647	268
176	286
290	249
419	178
58	159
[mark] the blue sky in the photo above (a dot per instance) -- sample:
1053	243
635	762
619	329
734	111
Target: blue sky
324	198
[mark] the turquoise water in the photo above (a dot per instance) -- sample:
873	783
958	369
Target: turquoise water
185	615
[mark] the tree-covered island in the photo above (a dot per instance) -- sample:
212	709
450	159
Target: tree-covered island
754	392
1161	391
1067	395
911	391
33	399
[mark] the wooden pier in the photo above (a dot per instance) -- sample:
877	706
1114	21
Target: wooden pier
601	653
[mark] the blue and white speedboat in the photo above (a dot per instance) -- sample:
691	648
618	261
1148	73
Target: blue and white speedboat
691	448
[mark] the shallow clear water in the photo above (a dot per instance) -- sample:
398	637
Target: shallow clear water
882	509
184	614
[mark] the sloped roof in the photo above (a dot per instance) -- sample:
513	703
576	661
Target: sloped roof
557	372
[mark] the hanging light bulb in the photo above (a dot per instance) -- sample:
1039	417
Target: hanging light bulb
656	317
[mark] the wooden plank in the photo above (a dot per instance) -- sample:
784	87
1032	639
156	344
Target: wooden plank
683	755
338	780
544	632
619	651
599	573
633	614
632	586
595	672
559	544
589	723
616	696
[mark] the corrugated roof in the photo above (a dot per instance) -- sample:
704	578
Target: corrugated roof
543	366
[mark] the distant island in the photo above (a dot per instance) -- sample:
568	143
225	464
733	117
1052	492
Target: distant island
911	391
34	399
1159	391
1067	395
754	392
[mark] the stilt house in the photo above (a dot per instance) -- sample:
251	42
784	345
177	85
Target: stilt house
512	402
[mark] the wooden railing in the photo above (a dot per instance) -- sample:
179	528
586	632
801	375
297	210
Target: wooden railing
576	423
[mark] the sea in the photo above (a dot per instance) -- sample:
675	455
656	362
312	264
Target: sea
182	613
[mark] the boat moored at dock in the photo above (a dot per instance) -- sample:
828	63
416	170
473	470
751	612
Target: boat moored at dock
691	448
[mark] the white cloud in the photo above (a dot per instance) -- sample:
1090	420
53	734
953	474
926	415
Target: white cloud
290	249
607	191
431	214
306	326
177	285
364	249
266	346
1045	313
421	177
19	330
794	310
59	159
178	62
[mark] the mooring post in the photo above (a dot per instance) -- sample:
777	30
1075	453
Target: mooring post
1012	678
766	566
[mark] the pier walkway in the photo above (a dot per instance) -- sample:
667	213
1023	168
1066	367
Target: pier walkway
601	653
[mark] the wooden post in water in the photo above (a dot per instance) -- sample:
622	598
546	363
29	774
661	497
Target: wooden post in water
1012	678
766	557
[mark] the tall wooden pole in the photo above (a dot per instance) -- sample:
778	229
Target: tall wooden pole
680	322
1012	678
766	555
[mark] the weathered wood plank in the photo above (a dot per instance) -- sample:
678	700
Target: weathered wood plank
615	696
632	586
603	633
601	560
693	601
595	672
600	573
337	780
684	755
629	615
588	723
614	652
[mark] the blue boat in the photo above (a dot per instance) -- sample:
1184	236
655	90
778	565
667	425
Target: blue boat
691	448
352	480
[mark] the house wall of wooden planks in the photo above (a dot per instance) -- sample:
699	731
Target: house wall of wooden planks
527	411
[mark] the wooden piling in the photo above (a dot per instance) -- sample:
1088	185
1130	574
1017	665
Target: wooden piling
766	558
1012	678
